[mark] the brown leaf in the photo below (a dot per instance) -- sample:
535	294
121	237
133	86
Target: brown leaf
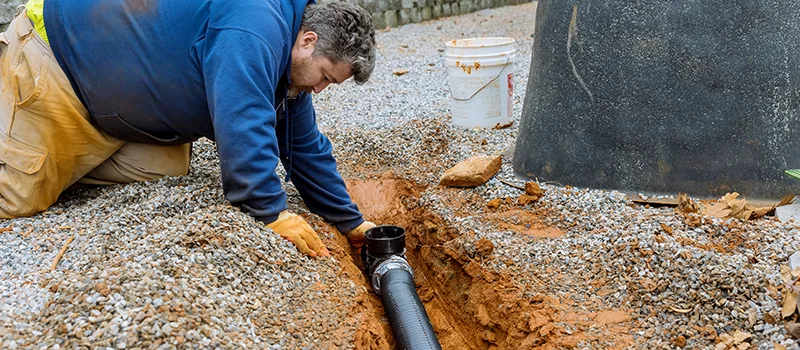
786	200
762	212
786	274
399	72
680	341
789	304
666	228
739	337
778	346
503	126
717	209
793	329
768	318
686	204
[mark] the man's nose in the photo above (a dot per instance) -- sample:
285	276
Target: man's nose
321	86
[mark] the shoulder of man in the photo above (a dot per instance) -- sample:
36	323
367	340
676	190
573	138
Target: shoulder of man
263	18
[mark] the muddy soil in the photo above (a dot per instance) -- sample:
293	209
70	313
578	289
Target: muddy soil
470	306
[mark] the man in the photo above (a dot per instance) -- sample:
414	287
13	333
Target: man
99	92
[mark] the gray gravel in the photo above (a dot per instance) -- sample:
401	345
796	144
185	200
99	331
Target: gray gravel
167	262
170	263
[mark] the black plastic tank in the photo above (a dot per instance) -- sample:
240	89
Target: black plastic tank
664	96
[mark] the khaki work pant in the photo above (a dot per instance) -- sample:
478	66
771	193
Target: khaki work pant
47	139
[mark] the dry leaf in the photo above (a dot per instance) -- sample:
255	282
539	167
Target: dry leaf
762	212
739	337
399	72
752	317
681	311
768	318
743	346
786	274
786	200
789	304
717	209
778	346
686	204
796	272
726	339
793	329
503	126
737	206
680	341
666	228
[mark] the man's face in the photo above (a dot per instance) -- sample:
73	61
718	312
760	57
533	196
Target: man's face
313	73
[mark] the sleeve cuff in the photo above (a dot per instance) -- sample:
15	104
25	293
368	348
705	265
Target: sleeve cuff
346	226
268	219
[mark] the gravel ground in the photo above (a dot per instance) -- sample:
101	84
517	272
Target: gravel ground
721	270
170	263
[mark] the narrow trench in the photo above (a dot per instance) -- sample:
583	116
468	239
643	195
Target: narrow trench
469	306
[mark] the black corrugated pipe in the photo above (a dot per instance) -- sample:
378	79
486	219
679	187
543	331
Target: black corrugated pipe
392	278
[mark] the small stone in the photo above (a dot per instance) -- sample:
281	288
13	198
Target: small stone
794	261
786	213
532	188
526	199
166	329
103	289
472	172
494	203
484	247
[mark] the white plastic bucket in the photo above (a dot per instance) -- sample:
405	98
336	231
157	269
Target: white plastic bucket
481	78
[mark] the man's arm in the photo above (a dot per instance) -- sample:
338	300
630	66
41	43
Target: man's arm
314	168
241	71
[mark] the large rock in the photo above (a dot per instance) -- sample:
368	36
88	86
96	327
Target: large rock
697	96
472	172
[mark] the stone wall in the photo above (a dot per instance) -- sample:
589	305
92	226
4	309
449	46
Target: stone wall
391	13
385	13
7	10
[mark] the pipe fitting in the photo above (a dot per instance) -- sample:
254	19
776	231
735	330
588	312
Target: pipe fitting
386	265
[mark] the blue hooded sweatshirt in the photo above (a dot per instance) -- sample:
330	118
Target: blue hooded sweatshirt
172	71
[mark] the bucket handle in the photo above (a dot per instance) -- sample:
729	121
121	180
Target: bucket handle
508	60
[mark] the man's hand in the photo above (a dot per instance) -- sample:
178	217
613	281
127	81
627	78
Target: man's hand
356	236
295	229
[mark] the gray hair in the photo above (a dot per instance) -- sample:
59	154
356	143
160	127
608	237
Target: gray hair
344	34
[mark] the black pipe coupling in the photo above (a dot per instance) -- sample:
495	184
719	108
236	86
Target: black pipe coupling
393	279
384	250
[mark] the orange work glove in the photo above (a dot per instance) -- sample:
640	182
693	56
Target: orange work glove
295	229
356	235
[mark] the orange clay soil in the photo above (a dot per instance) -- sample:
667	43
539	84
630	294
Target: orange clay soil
470	307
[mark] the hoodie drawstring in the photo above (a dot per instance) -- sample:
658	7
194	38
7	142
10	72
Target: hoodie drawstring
289	134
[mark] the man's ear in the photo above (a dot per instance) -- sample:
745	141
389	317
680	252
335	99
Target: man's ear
307	40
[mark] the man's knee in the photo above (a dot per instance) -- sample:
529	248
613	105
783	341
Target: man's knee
26	188
167	160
